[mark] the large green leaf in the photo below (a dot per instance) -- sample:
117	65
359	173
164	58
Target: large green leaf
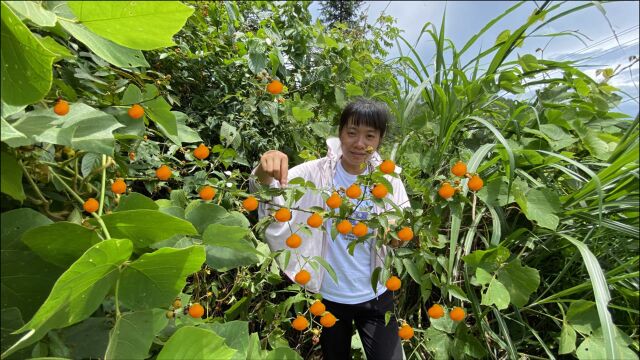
9	133
26	64
236	336
144	25
145	227
202	214
195	343
79	291
133	334
541	206
12	320
160	112
60	243
437	343
185	133
33	11
136	201
11	177
88	339
520	281
283	353
496	293
156	278
230	237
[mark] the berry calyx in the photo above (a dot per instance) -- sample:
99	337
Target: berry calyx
250	203
91	205
136	111
61	107
119	187
387	167
283	215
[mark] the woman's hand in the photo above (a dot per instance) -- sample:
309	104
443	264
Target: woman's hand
273	164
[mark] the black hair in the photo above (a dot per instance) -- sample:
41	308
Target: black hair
366	112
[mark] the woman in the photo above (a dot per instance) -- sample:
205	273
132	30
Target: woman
362	127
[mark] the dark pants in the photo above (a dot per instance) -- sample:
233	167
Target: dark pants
379	341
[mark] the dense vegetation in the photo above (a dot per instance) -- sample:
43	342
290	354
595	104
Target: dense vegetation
543	258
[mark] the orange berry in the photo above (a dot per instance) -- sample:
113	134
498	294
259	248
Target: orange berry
379	191
201	152
459	169
207	193
136	111
388	167
354	191
91	205
446	191
302	277
393	283
119	187
405	234
344	227
61	107
328	320
317	308
274	87
315	220
250	203
294	241
405	332
334	201
196	311
163	173
457	314
475	183
300	323
360	229
435	311
283	215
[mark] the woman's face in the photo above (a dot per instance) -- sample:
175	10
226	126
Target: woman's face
358	143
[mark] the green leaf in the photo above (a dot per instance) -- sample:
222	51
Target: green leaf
132	95
79	291
9	134
503	36
160	112
202	214
230	237
186	135
595	347
133	334
154	279
12	320
497	294
195	343
542	206
283	353
135	201
60	243
465	344
257	61
412	270
354	90
88	339
327	267
520	281
26	64
357	71
375	278
236	336
437	343
301	114
583	316
596	146
55	48
135	24
34	12
11	177
567	339
145	227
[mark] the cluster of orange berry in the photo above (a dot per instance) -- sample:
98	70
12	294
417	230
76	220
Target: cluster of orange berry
327	319
436	311
196	310
475	183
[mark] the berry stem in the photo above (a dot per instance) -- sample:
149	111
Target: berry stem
103	184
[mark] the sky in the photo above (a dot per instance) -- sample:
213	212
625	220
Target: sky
465	18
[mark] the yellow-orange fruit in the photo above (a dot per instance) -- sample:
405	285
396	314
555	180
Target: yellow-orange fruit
317	308
207	193
119	187
196	311
91	205
393	283
300	323
328	320
379	191
446	191
475	183
459	169
435	311
201	152
315	220
275	87
163	173
61	107
250	203
344	227
177	304
405	332
354	191
136	111
293	241
388	167
360	229
405	234
283	215
302	277
334	201
457	314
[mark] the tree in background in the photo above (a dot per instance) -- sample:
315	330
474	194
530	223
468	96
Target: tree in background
336	11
